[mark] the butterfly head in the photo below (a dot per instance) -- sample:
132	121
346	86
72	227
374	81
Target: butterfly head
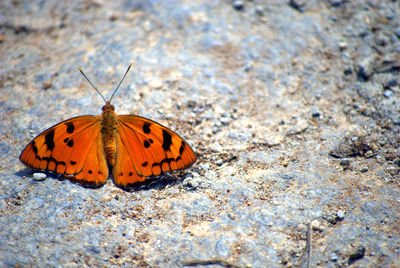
108	107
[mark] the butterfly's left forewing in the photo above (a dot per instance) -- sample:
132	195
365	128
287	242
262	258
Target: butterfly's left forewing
72	148
151	149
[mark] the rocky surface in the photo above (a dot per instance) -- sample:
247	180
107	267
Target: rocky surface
292	106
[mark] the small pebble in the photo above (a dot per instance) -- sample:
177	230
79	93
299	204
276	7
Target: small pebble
340	214
345	162
238	5
364	169
18	199
46	85
342	45
39	176
193	184
388	93
369	154
357	253
354	138
315	225
155	83
259	11
334	258
365	67
316	113
298	5
224	121
348	71
336	3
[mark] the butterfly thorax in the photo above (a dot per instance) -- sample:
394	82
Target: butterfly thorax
109	132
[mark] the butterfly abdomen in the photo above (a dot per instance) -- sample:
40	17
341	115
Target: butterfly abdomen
109	133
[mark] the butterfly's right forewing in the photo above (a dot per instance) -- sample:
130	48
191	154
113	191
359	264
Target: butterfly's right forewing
146	149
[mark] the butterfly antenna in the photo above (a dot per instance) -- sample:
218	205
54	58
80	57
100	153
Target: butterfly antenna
91	84
120	82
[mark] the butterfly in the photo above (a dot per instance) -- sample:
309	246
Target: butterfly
82	148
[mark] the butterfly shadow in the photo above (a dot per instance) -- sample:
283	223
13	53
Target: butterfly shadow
151	183
28	173
155	183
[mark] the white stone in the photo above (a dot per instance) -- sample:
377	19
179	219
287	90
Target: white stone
340	214
39	176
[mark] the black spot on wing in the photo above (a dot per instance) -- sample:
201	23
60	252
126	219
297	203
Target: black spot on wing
34	148
182	148
168	161
146	127
146	144
70	127
50	159
167	140
163	162
72	163
70	143
49	140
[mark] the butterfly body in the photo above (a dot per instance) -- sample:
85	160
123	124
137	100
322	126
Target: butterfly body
109	132
81	148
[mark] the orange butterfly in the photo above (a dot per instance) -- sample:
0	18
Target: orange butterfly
135	147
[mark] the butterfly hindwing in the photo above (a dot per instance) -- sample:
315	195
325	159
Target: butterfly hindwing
124	171
72	148
152	148
95	168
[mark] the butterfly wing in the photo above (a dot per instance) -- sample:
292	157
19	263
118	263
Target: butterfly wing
146	148
72	148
